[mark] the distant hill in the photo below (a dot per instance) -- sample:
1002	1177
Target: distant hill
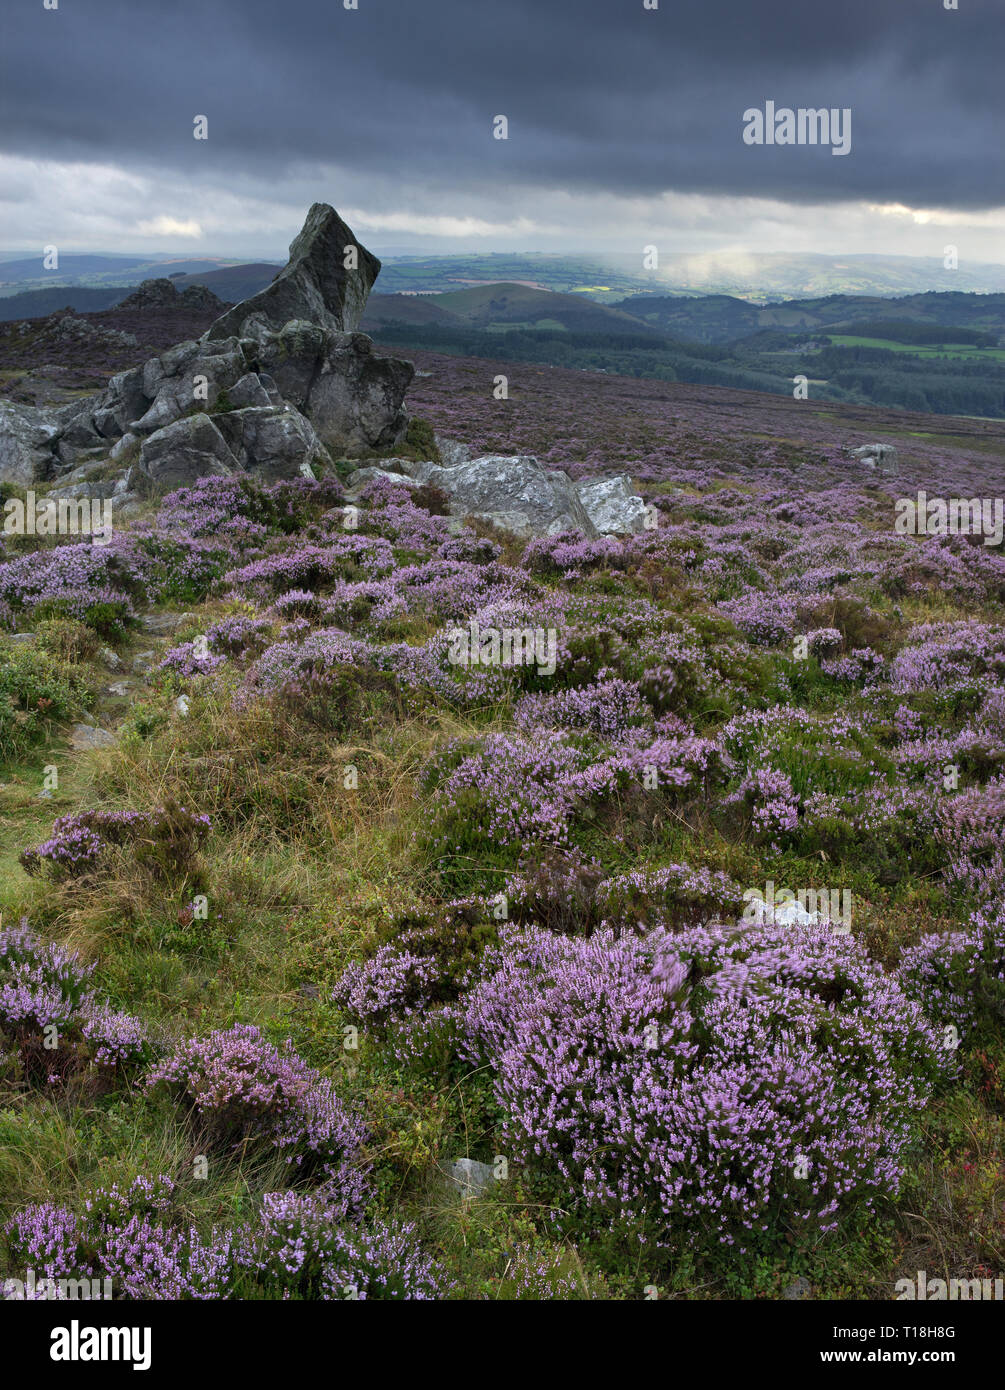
101	272
35	304
234	282
723	318
758	277
502	307
405	308
70	268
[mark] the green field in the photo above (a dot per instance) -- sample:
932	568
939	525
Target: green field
917	350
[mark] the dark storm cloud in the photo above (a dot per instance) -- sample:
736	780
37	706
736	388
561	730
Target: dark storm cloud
601	95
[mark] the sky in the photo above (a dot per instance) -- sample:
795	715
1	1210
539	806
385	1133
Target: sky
625	125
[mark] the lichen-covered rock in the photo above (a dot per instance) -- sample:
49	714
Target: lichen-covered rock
514	493
26	436
612	505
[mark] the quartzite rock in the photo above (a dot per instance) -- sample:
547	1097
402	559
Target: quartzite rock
613	505
315	284
186	450
513	493
26	435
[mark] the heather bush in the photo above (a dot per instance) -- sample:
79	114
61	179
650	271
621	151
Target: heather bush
164	842
243	1089
736	1083
134	1238
302	1247
56	1023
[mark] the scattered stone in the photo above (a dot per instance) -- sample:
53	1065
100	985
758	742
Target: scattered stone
143	663
23	639
161	624
799	1288
181	705
120	688
110	659
471	1177
84	737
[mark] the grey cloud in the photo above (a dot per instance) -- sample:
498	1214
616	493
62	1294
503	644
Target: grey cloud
602	95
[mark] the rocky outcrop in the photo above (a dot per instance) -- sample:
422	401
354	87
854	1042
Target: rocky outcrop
289	352
355	399
316	284
164	294
200	298
273	443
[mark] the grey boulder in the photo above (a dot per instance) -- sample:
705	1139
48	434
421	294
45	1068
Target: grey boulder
355	400
514	493
872	454
272	443
26	435
613	505
189	449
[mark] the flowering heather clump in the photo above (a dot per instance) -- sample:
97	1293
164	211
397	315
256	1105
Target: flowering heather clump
507	791
301	1247
312	566
185	660
243	510
939	972
165	840
46	1238
44	987
393	983
569	553
781	1087
610	707
775	806
241	1086
237	635
130	1238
